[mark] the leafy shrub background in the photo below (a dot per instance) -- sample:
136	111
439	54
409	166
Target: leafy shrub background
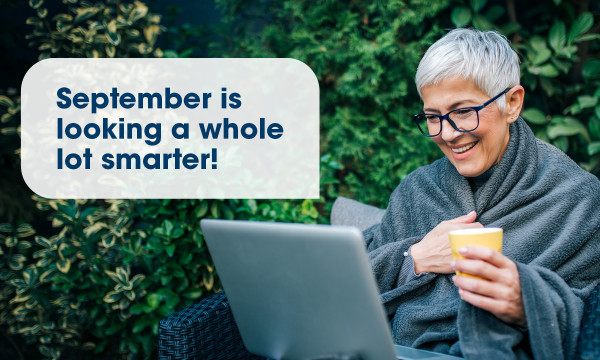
97	283
365	56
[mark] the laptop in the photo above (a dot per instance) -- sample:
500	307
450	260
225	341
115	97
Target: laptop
301	291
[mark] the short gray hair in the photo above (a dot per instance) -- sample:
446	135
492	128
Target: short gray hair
485	57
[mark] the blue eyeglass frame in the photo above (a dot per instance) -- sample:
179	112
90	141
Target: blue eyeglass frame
446	117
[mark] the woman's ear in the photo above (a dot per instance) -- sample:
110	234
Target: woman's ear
514	103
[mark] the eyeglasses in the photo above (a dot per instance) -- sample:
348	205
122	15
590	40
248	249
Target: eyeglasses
463	119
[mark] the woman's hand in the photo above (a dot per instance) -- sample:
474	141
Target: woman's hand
499	292
433	253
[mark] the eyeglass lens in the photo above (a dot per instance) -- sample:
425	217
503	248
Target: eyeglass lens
464	119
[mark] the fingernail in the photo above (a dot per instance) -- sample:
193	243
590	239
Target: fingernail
453	278
460	292
463	250
452	263
471	213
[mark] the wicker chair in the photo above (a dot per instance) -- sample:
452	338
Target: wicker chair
208	331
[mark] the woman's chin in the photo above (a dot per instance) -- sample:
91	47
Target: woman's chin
468	169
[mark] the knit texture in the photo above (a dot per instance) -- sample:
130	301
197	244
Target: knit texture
549	209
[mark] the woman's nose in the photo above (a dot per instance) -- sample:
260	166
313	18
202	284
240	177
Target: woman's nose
449	133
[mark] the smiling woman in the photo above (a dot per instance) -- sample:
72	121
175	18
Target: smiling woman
527	300
481	144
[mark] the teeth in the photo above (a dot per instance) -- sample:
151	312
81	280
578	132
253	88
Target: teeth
464	148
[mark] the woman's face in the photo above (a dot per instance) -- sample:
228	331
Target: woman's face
471	153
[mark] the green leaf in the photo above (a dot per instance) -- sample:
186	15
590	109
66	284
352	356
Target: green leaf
563	66
461	16
62	18
113	38
83	14
123	275
567	51
35	4
69	210
129	294
63	265
61	249
510	28
593	148
561	142
43	242
42	12
22	245
214	209
202	209
167	228
170	249
137	280
226	212
541	56
586	101
11	241
112	297
481	23
583	23
25	230
587	37
47	275
34	22
29	276
477	5
20	298
557	37
138	12
139	309
193	293
6	101
591	69
547	70
538	43
87	212
153	300
113	276
566	126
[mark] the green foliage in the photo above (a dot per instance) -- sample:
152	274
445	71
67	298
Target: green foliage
560	70
111	28
365	56
116	267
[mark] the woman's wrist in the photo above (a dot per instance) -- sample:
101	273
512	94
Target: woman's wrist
415	253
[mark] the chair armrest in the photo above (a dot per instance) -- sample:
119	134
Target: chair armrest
205	330
589	335
348	212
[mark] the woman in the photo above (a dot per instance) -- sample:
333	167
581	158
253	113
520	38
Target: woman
494	174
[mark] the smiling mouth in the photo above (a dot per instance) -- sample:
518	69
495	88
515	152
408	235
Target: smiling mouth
464	148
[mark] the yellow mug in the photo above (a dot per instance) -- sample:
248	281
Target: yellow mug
487	237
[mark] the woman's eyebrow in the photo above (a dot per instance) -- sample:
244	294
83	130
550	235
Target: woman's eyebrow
452	106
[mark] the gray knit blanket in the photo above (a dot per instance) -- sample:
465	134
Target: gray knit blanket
549	209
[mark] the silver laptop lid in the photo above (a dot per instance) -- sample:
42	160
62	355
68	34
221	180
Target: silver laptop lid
300	291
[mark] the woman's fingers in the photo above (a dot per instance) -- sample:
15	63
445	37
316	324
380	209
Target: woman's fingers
487	255
498	290
482	287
